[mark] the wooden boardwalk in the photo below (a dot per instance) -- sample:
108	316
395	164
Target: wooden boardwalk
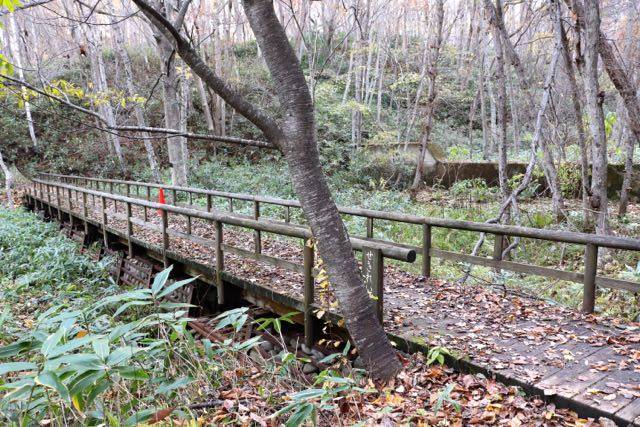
584	362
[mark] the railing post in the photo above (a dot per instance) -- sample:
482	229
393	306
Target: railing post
146	214
174	192
372	276
287	214
208	202
426	250
230	204
257	237
103	216
129	228
70	197
590	270
188	224
58	203
369	227
85	213
309	321
128	190
165	237
498	248
219	262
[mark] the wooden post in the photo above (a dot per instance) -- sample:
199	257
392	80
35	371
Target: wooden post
372	276
174	192
129	228
70	198
498	248
309	321
146	214
128	190
369	223
287	215
219	261
85	213
590	270
230	204
104	221
165	237
257	236
426	250
208	202
188	224
58	203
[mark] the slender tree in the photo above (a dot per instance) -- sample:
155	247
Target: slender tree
295	136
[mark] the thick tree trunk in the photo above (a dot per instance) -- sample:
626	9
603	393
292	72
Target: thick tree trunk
8	182
300	149
594	99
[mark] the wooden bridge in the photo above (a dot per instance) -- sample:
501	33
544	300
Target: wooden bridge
577	360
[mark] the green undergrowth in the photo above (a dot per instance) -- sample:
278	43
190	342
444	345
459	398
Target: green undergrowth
77	350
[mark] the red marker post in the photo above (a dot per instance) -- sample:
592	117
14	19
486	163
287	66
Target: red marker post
161	200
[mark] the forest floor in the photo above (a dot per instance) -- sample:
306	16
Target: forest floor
48	285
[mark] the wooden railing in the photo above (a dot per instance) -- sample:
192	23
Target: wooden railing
60	198
591	242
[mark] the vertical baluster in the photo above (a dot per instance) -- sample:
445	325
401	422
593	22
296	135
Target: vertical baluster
103	216
165	237
209	205
498	248
146	213
590	271
129	229
85	214
257	235
426	250
369	224
219	261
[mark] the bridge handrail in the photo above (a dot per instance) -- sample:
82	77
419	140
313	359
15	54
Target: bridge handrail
613	242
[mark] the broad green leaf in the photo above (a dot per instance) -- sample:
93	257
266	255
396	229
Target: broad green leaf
160	280
51	380
101	347
169	289
5	368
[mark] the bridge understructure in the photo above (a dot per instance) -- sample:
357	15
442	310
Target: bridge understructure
578	360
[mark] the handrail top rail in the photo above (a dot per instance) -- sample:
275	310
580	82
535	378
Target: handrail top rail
613	242
389	250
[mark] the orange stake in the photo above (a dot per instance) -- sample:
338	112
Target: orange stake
161	200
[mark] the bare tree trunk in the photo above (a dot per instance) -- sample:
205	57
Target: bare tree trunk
562	41
8	182
296	137
172	102
14	47
630	145
119	40
501	106
431	92
483	111
594	100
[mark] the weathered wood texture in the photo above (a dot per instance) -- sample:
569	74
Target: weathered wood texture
589	278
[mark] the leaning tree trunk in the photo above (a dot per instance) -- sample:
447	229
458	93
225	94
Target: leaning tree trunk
301	152
296	137
594	99
8	182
